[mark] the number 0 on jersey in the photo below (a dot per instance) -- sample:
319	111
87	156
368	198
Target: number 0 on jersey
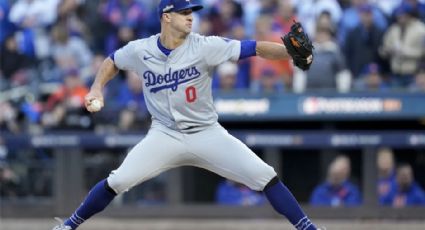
190	94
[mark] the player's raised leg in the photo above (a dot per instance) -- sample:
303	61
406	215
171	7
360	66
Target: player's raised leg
225	155
156	153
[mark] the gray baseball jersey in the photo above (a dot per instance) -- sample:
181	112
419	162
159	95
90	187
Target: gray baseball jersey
177	88
184	129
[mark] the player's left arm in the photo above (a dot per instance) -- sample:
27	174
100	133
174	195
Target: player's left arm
268	50
271	50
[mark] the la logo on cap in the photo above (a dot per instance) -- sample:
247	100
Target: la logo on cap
168	7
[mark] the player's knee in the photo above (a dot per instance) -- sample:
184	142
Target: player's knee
118	183
108	187
261	177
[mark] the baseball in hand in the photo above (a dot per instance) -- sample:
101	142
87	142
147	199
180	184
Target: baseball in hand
95	105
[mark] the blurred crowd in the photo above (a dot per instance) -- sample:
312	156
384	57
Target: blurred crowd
51	50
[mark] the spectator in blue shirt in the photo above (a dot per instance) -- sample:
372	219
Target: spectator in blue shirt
337	190
386	172
131	93
362	42
405	192
232	193
6	27
351	19
133	114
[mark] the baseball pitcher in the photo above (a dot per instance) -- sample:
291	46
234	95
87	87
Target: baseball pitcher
176	67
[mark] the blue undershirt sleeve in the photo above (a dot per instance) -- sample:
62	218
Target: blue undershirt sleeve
248	49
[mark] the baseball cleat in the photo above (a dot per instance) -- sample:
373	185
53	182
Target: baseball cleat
61	225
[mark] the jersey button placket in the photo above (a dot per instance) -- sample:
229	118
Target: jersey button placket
169	92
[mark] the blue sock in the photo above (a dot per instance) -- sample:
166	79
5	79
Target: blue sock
97	200
285	203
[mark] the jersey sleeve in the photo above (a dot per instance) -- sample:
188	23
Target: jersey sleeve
217	50
125	58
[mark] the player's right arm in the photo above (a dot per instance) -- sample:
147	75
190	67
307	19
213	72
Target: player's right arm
124	58
106	72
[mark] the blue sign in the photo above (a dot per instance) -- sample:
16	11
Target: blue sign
370	106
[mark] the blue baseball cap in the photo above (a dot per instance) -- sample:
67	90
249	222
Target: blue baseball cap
404	8
166	6
371	68
366	8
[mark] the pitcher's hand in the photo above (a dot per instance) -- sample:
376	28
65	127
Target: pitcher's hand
91	97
